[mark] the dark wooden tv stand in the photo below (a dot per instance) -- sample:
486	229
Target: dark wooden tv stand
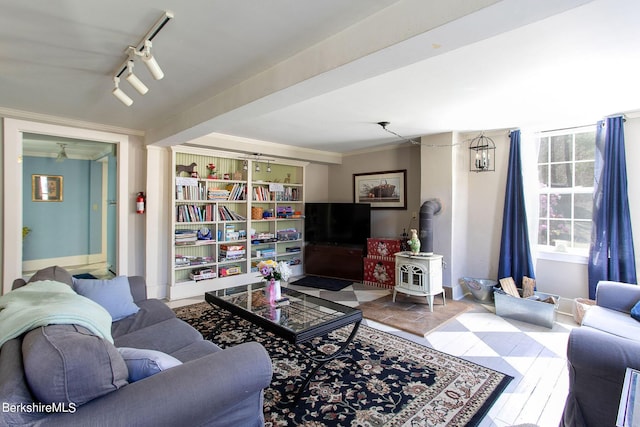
340	261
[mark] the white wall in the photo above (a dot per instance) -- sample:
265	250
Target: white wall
436	182
484	209
384	222
316	183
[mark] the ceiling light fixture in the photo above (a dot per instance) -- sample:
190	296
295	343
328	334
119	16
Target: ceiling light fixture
142	50
134	80
118	93
483	154
62	155
150	61
256	158
384	126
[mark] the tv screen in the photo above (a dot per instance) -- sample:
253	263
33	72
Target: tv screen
337	223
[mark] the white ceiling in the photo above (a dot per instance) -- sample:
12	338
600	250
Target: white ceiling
321	74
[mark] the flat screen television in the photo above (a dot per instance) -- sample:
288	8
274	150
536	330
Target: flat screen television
337	223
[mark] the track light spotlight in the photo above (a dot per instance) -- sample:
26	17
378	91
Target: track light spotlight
257	167
118	93
268	166
134	80
151	62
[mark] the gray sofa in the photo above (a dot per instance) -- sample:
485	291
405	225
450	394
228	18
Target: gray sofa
598	354
212	387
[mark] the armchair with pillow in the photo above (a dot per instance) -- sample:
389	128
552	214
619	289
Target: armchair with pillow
598	354
152	369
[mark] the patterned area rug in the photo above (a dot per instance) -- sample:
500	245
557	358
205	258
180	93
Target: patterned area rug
389	381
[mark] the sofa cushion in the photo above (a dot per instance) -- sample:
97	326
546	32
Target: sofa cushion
151	311
167	336
143	363
68	364
195	350
113	294
612	321
55	273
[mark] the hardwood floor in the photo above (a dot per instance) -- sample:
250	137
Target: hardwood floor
534	355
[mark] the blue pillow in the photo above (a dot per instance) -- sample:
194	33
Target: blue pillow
143	363
114	295
635	311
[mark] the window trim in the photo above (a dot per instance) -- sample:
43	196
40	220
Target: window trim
571	254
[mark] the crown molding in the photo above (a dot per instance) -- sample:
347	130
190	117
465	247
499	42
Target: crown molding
265	148
64	121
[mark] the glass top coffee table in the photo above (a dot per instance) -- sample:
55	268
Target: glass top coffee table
300	319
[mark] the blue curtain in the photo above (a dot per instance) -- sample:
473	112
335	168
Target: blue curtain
515	254
611	255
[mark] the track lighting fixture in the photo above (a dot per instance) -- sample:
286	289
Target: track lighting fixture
256	158
134	80
142	50
118	93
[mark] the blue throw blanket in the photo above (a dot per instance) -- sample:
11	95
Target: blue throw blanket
49	302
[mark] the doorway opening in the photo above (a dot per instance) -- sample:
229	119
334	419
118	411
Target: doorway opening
75	226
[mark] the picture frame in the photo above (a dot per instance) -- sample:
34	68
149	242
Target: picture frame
46	188
383	190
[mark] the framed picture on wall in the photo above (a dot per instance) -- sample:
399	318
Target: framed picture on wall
383	190
46	188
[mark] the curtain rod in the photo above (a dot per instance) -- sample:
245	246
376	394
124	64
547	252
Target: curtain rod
624	119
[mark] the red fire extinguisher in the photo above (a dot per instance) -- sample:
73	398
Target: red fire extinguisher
140	203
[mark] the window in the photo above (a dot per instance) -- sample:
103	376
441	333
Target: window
565	178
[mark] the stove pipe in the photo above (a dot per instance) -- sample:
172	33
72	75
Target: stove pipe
427	211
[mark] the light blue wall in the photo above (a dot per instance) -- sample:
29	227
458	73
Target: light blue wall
70	227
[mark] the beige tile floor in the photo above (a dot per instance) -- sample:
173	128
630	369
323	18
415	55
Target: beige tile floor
535	356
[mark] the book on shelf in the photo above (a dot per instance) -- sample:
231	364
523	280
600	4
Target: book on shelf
236	191
262	194
194	213
226	214
190	190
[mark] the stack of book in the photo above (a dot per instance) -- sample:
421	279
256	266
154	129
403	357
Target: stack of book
203	274
264	253
186	237
217	194
188	260
232	252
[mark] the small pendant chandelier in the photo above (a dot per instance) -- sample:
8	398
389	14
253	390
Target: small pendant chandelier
482	155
